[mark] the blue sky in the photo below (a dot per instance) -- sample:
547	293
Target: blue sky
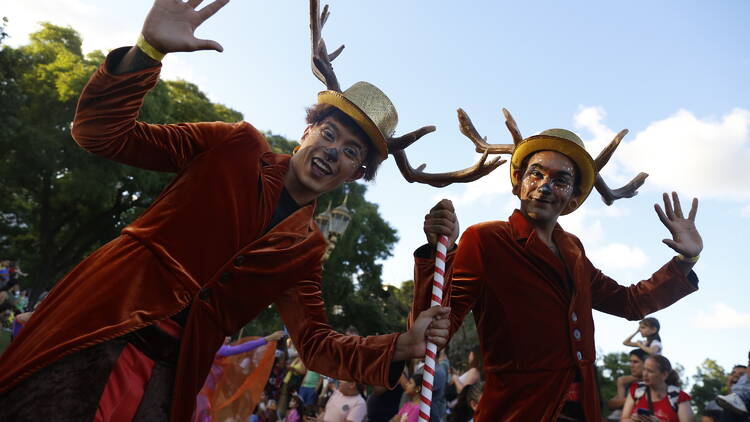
673	72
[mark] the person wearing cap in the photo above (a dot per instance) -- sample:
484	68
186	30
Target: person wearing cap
131	332
532	288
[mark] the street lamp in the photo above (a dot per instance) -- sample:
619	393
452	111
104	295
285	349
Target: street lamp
333	224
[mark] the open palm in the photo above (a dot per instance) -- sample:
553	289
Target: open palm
685	237
170	25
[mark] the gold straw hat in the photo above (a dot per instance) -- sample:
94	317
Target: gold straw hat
370	108
565	142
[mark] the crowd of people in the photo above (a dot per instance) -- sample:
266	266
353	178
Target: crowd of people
294	393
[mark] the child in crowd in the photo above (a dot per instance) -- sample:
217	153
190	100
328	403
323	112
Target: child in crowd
295	410
468	402
649	330
409	411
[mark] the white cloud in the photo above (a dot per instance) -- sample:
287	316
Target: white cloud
723	316
699	156
618	256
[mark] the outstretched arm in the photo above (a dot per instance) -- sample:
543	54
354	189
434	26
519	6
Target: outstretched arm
373	360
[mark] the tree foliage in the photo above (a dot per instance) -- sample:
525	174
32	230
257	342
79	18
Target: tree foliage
609	367
60	203
708	382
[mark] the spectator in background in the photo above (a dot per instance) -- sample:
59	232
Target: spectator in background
468	401
737	402
409	412
737	372
637	359
649	329
346	404
659	397
308	391
472	374
439	386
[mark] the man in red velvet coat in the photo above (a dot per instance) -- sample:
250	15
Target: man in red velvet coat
131	332
532	288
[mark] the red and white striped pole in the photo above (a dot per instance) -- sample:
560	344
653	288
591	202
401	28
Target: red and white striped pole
431	355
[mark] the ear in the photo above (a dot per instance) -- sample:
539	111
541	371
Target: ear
572	203
517	188
357	175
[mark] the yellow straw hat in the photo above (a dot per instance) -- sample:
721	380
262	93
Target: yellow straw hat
565	142
370	108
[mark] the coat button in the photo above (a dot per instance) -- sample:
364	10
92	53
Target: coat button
577	334
225	277
239	260
579	355
204	294
574	317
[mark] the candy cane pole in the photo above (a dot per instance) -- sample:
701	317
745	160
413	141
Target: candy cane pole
431	355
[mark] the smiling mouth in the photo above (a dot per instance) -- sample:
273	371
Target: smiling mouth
322	166
545	201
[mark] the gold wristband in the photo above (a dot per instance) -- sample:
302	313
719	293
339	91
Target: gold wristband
149	49
691	260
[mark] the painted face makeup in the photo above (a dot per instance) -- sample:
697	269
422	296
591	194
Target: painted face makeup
547	185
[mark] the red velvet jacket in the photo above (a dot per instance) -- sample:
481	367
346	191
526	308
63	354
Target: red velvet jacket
200	244
534	330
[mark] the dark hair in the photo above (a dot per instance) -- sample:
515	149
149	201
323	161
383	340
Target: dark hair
739	366
318	112
417	378
640	354
576	185
666	367
463	411
653	323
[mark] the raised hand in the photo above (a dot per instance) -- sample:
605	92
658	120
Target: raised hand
685	237
441	220
171	24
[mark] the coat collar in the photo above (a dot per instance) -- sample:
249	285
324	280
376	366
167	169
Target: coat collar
522	227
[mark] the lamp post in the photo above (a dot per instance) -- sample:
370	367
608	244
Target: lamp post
333	224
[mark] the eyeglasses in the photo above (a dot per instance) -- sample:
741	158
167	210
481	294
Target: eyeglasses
536	177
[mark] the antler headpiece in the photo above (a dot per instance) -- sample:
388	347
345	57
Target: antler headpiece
371	109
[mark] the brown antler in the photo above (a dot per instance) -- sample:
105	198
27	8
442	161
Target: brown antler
609	196
480	169
467	128
321	60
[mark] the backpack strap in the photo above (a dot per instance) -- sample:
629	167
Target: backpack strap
673	392
640	390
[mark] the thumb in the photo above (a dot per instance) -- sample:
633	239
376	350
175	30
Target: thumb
200	44
671	243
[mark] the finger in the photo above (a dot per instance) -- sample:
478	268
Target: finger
668	206
194	3
211	9
677	206
438	341
199	44
693	209
440	324
443	213
446	204
663	217
437	332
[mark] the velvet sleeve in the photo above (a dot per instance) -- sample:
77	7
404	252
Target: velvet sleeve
463	272
230	350
634	302
105	122
366	360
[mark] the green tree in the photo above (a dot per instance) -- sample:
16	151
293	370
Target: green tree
709	381
59	203
609	367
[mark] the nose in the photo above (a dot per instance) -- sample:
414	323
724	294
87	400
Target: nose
545	189
332	153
